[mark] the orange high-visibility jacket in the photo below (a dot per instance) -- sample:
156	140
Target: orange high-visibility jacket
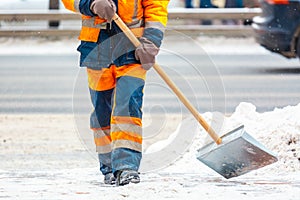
135	13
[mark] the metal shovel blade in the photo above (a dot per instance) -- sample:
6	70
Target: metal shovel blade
239	153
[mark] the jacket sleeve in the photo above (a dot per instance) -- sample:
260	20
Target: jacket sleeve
80	6
156	17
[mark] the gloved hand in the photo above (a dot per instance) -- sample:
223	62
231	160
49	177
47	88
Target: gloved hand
104	9
146	53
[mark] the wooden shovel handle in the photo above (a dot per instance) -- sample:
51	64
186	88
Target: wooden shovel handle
169	82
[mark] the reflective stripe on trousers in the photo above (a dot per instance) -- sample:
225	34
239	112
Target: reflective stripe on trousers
117	96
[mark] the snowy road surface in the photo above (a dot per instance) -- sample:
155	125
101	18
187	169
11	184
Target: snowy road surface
85	183
43	157
47	152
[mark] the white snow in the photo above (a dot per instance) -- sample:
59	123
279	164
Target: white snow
187	178
68	45
37	46
278	130
42	156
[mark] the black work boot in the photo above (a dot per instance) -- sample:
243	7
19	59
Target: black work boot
109	179
127	176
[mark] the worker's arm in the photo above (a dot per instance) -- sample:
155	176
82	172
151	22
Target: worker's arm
155	16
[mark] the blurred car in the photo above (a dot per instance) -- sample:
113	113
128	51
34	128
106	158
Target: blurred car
278	28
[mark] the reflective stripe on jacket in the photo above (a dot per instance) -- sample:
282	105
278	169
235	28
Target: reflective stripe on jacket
135	13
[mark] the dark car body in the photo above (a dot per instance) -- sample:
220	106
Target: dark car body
278	27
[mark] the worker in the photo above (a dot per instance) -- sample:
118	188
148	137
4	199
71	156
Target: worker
116	74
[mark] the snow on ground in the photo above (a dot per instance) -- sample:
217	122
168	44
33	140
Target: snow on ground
42	158
68	45
37	46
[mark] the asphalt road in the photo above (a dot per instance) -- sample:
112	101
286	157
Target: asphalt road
213	82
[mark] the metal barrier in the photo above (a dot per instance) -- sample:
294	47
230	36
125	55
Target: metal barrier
178	18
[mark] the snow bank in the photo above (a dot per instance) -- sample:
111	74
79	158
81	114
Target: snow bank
278	130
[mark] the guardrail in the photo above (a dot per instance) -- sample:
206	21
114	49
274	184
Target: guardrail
177	21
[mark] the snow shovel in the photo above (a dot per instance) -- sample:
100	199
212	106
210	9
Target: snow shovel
231	155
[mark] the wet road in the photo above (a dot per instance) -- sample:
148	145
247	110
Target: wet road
213	82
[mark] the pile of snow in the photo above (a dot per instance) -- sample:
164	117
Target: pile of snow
279	131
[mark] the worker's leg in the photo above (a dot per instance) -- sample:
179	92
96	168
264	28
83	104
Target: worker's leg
126	120
101	85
